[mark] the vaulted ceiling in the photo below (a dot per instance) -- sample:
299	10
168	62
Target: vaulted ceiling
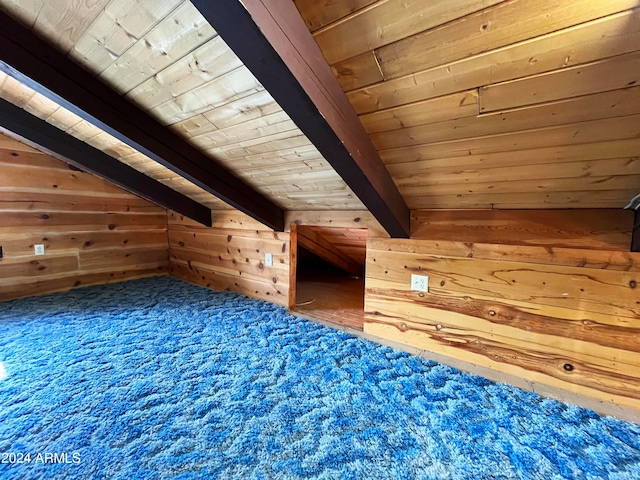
468	103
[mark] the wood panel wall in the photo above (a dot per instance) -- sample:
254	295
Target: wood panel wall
548	296
493	103
231	256
93	231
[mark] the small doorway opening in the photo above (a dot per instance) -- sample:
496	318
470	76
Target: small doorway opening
330	274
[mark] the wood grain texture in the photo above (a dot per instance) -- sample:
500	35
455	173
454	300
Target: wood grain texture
550	296
521	200
314	241
274	43
589	132
596	229
458	125
331	297
93	232
600	76
178	69
499	25
40	66
351	241
340	219
293	266
539	71
65	120
318	14
230	256
387	21
600	38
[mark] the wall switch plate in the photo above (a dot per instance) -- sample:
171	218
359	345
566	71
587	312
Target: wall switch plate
268	260
420	283
38	249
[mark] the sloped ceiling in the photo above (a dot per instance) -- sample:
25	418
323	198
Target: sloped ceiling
493	103
470	103
166	58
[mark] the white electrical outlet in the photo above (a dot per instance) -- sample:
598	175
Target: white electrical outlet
38	249
420	283
268	260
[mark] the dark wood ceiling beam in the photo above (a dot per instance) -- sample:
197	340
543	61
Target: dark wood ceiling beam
41	67
635	234
38	133
272	40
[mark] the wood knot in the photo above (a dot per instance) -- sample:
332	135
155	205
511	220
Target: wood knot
357	219
492	313
112	226
568	367
438	327
442	283
229	237
181	243
633	284
403	327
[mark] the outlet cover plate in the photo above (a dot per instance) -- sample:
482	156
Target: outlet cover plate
420	283
38	249
268	260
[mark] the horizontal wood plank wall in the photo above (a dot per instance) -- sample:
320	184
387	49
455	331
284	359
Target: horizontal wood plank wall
93	232
231	255
495	104
548	296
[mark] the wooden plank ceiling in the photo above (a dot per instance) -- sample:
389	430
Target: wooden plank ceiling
167	59
493	103
470	103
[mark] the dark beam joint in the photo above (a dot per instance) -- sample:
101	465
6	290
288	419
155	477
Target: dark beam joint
42	68
38	133
271	39
635	234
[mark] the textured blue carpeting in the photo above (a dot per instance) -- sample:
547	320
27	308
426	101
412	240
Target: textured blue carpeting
157	378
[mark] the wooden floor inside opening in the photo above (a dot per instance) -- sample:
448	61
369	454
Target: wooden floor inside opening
330	296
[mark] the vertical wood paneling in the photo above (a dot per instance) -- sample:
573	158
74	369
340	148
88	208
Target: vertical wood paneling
93	232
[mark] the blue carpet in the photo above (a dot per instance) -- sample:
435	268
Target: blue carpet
157	378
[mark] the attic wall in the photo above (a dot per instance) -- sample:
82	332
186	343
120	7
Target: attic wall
548	296
231	255
93	232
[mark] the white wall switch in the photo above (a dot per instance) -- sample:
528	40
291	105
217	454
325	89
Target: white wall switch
38	249
420	283
268	260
